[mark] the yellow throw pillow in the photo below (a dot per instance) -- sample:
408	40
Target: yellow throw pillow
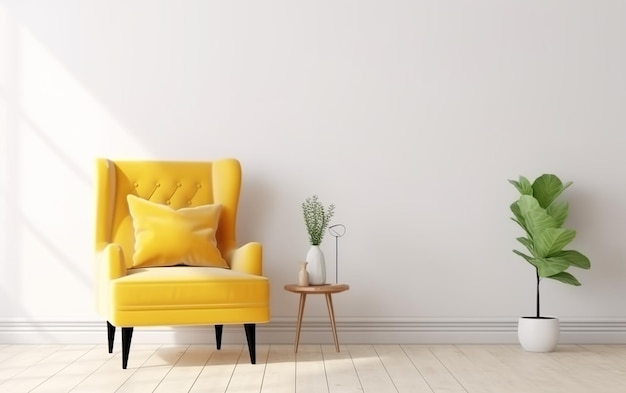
168	237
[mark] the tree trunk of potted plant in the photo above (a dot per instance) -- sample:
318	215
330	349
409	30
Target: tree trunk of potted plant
537	333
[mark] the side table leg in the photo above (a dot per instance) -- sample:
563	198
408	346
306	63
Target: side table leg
300	313
331	314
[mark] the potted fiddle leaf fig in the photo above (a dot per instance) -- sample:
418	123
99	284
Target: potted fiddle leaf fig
542	216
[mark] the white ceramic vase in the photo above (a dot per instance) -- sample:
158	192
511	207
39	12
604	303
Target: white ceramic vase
316	266
538	334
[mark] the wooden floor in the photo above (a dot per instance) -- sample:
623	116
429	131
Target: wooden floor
316	368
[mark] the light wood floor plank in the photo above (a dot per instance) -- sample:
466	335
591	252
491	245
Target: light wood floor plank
471	376
492	371
432	369
403	373
9	350
310	376
248	377
43	369
110	376
340	371
154	370
515	358
585	368
76	371
539	371
316	368
186	370
371	371
218	371
19	362
280	370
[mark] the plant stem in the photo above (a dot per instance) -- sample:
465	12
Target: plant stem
538	304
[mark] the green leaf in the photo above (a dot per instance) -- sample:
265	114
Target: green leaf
536	219
526	257
566	278
558	211
548	267
527	243
547	187
542	217
523	186
574	258
523	227
516	211
518	217
552	240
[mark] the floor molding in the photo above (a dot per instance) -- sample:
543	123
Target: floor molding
317	330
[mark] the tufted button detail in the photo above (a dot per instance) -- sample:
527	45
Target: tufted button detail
178	185
189	203
135	185
198	185
158	185
168	202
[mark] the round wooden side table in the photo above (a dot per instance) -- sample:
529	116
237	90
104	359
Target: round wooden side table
327	290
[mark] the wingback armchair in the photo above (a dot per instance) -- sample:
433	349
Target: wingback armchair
166	251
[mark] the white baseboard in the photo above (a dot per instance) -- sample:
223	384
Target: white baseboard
317	330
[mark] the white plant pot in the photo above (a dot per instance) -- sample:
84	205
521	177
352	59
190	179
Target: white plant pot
538	334
316	266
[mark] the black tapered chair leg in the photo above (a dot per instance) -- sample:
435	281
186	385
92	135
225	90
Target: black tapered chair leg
218	335
127	335
250	336
110	335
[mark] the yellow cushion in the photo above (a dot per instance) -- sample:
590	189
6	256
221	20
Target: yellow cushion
168	237
188	295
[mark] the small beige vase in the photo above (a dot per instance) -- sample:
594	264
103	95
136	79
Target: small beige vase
303	275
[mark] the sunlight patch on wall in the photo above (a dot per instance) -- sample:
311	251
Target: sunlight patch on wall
7	122
55	129
65	112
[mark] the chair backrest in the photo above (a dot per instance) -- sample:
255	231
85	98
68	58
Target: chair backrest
174	183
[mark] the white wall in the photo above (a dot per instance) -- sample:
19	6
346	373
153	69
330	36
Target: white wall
409	116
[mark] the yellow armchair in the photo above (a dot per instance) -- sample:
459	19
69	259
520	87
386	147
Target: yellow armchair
166	250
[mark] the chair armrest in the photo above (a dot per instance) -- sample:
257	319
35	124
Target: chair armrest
109	262
108	265
247	258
